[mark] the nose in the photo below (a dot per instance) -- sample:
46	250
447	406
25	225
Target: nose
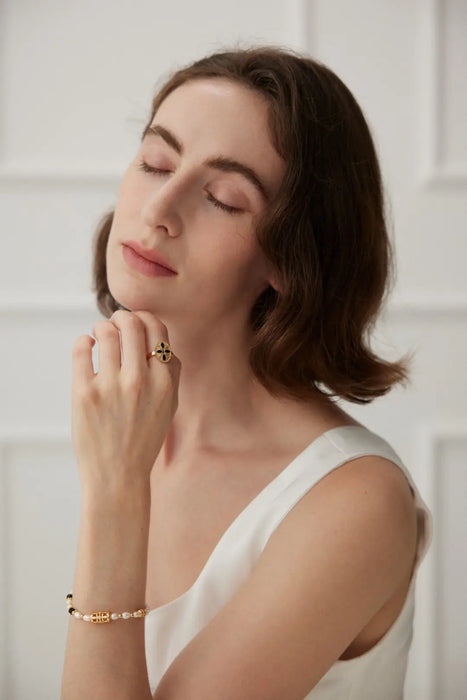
164	204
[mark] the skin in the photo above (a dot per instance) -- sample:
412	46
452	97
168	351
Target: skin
221	269
132	412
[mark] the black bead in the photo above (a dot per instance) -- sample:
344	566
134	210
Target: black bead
71	610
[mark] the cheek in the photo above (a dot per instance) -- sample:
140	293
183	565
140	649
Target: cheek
129	194
232	247
230	264
125	213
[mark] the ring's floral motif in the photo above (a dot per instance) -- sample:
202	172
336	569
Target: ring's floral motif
164	353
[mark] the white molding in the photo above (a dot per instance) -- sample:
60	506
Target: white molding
438	176
48	305
427	305
4	602
427	473
434	173
410	305
53	176
296	24
9	438
295	36
32	435
424	473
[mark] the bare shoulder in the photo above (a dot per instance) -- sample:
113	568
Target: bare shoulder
325	572
365	510
369	489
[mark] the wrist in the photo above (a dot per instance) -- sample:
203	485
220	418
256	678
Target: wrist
120	496
113	541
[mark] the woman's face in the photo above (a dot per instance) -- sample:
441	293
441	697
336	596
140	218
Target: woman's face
199	216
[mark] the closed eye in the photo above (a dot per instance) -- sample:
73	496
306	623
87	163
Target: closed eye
142	165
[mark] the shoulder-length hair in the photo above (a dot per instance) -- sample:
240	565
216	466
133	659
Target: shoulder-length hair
325	232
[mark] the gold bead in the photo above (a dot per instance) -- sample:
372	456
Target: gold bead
100	617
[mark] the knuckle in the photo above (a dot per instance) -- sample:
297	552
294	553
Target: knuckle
109	390
144	315
133	382
109	330
87	394
151	320
120	313
122	316
105	329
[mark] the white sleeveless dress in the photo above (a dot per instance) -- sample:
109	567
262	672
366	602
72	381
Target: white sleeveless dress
377	674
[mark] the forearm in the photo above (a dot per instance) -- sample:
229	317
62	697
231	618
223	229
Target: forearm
107	661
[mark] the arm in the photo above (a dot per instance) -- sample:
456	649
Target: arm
120	417
327	569
107	662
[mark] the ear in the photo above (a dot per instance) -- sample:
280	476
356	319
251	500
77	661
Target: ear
271	276
274	283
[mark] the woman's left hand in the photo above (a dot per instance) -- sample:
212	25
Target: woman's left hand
121	414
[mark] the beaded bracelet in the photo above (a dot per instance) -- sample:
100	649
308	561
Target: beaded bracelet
102	615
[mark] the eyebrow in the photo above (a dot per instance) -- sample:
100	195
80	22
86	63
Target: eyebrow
222	163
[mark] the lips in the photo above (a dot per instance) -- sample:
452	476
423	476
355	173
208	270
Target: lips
149	254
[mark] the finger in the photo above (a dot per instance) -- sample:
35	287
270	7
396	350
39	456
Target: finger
133	339
155	332
108	343
82	367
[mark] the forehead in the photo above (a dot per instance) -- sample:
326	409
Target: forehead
217	116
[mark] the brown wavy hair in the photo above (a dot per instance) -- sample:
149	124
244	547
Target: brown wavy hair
325	232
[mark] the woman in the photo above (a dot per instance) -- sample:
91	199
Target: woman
210	487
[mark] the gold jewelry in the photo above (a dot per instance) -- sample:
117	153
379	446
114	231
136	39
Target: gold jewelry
102	615
162	351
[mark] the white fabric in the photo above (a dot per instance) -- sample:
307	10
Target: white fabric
378	673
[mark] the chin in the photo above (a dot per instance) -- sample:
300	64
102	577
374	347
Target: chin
130	299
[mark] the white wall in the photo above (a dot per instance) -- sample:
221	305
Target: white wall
76	83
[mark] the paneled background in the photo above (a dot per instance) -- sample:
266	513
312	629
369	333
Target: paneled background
76	84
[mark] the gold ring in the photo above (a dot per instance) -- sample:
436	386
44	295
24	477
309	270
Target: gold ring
162	351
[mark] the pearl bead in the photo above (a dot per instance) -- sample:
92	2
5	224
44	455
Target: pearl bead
126	615
87	618
114	616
